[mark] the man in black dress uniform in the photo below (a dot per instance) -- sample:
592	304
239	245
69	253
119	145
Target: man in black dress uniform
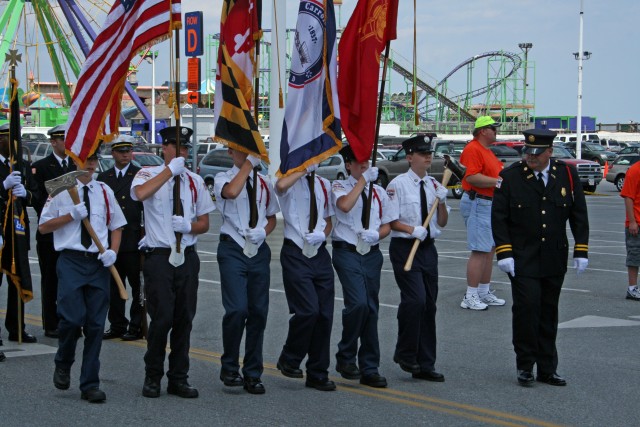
50	167
532	202
119	178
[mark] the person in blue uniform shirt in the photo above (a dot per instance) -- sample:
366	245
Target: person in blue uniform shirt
307	276
83	279
119	178
243	258
412	195
171	277
533	200
358	262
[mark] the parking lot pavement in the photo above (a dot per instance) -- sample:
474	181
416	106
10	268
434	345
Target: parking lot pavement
597	345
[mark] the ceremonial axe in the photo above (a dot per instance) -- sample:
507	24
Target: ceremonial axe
67	182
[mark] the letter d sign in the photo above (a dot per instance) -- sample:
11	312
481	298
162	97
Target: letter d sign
193	28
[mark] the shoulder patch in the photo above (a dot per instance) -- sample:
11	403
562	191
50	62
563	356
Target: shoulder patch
391	192
499	182
337	186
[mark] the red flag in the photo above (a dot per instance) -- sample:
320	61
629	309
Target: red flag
131	26
371	26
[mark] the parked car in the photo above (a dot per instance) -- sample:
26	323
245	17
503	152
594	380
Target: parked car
214	162
591	151
610	145
630	149
142	160
590	172
516	145
505	154
618	170
42	150
333	168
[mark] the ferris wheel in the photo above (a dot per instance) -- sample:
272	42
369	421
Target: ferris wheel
54	38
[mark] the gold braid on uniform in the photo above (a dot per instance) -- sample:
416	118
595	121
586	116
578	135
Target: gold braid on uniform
580	250
504	251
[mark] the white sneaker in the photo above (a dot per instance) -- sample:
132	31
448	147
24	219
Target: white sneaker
473	303
491	299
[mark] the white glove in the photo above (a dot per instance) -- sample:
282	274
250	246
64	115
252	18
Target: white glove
508	266
369	236
255	235
12	180
441	193
312	168
419	233
142	243
108	258
176	166
19	191
371	174
315	238
580	264
255	161
181	224
79	212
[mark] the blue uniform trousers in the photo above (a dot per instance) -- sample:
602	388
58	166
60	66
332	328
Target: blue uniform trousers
83	301
418	295
360	279
308	285
245	297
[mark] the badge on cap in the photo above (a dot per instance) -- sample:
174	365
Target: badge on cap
184	131
532	138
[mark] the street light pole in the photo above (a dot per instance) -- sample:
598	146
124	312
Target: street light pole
580	55
525	48
151	58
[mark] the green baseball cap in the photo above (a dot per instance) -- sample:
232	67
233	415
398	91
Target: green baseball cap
485	121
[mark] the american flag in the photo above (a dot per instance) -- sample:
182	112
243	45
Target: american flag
131	26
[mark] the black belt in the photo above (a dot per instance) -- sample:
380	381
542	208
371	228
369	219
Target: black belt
341	244
473	194
167	251
226	238
425	242
81	253
289	242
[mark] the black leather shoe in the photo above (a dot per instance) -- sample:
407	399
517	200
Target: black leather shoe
61	378
349	371
324	384
111	334
525	378
374	380
288	370
253	385
51	333
231	378
182	390
151	387
0	342
2	357
132	335
434	376
94	395
551	379
26	338
411	367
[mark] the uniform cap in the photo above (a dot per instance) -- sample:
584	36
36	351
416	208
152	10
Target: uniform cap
486	121
418	144
59	130
347	154
168	135
537	140
122	142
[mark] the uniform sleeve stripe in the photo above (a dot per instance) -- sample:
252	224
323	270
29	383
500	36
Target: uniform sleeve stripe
499	251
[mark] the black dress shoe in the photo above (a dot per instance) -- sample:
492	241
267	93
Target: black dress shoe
374	380
434	376
324	384
51	333
405	365
288	370
182	390
94	395
61	378
26	338
525	378
349	371
132	335
110	334
2	357
151	387
253	385
551	379
231	378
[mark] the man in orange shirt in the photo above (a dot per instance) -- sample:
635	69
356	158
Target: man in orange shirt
631	194
478	183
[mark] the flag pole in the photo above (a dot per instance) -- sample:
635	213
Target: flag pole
177	205
253	212
367	212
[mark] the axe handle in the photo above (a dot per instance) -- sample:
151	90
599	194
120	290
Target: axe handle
445	180
73	192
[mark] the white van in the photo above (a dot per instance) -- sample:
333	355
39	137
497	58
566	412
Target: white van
610	145
572	137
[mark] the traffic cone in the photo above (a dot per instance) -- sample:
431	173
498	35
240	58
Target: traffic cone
606	170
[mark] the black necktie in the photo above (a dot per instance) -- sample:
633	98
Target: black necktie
253	204
364	207
424	209
313	207
85	238
6	163
64	166
541	180
119	175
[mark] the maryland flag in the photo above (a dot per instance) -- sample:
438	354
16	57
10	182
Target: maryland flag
14	258
371	26
235	126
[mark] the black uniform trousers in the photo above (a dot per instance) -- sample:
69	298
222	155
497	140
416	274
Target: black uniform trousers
418	296
11	320
245	298
535	321
128	266
172	295
309	288
48	259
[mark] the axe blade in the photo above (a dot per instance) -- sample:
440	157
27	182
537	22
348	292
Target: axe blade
62	183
